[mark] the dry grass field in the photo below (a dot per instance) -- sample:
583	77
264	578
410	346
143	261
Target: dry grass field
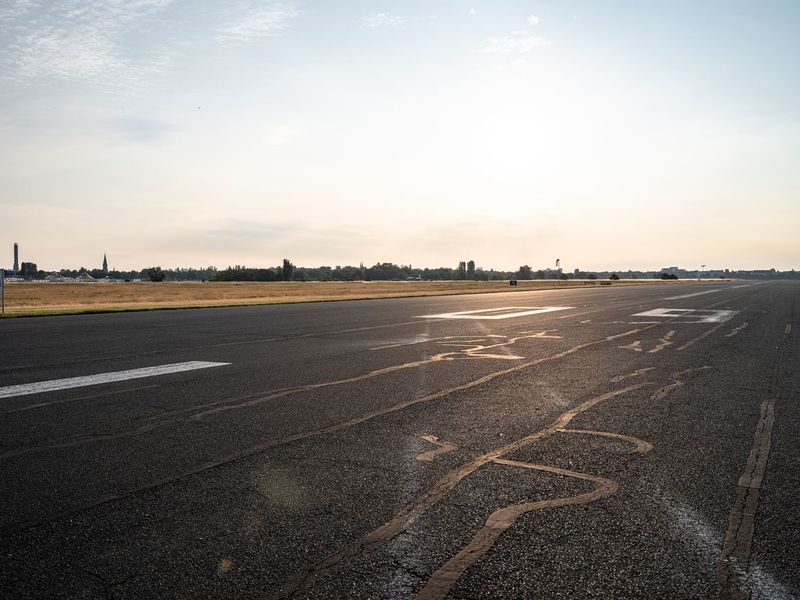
25	299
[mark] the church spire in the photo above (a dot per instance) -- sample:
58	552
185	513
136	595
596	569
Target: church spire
105	264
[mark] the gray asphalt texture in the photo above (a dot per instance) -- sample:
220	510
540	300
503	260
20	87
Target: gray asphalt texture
266	478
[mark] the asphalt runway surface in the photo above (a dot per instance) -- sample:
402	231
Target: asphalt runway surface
618	442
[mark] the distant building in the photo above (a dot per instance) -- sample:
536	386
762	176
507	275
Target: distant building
105	264
16	258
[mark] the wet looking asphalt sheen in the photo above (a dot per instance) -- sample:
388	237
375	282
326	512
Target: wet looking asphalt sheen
359	449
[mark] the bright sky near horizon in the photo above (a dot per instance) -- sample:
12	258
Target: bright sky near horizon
617	134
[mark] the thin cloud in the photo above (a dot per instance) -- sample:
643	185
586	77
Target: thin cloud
381	20
533	20
516	42
257	22
473	12
16	9
74	40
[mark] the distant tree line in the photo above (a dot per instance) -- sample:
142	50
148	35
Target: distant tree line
146	274
464	270
378	272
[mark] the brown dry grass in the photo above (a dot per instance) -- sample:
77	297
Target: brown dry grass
64	298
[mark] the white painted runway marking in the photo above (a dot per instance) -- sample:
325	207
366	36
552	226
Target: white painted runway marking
788	329
689	315
26	389
486	313
691	295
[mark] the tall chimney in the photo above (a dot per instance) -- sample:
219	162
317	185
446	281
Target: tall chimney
16	258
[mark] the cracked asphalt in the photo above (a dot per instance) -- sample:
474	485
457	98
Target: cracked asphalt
303	467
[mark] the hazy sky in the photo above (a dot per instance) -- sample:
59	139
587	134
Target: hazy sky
608	133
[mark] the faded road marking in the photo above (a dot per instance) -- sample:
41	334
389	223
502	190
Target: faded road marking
472	352
262	447
619	378
466	339
639	446
690	315
470	349
736	330
788	329
677	382
705	334
442	581
580	314
663	343
485	313
545	334
40	387
735	558
441	448
402	520
691	295
635	346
